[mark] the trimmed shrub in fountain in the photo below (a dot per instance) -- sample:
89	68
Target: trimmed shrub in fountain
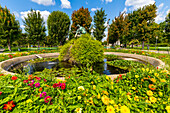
83	50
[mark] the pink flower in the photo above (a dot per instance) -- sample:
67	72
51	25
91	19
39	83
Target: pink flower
43	94
45	80
37	84
0	92
47	99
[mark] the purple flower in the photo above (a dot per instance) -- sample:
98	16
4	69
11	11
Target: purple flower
32	81
37	84
43	94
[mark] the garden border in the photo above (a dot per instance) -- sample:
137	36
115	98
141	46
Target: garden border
8	63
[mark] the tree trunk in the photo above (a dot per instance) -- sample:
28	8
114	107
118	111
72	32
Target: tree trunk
9	45
125	45
38	45
142	44
132	45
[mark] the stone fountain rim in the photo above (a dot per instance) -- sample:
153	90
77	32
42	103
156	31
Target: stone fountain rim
4	64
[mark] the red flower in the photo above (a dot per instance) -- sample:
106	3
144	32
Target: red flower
9	106
128	93
25	81
14	78
63	86
157	67
120	75
117	80
47	99
1	74
0	92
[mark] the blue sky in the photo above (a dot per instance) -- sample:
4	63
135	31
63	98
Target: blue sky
112	7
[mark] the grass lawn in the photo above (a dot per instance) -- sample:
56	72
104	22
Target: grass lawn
152	48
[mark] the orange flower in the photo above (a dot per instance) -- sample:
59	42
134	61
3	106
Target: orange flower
145	78
152	87
9	106
40	89
153	80
30	77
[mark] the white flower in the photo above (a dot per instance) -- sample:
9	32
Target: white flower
80	88
78	110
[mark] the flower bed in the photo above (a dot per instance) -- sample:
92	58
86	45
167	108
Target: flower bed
142	90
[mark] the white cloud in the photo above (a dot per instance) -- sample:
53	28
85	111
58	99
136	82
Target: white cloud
44	14
135	4
86	3
22	26
45	2
124	10
65	4
95	9
16	14
107	1
168	11
161	5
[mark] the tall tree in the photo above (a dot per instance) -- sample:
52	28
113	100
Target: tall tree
34	27
167	27
141	23
99	27
9	27
119	29
58	26
81	17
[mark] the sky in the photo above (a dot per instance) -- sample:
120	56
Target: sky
112	8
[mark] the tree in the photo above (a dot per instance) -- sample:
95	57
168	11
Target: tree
99	21
167	27
9	27
119	29
34	27
141	23
58	26
81	17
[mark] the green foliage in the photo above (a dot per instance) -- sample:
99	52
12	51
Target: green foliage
58	27
99	21
84	50
9	27
167	27
119	29
34	27
81	17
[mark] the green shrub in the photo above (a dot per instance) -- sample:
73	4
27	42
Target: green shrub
84	50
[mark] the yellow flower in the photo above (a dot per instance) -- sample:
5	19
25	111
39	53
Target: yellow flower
105	99
124	109
153	80
112	83
136	98
105	92
133	88
81	88
107	77
112	101
152	99
92	82
98	96
29	101
162	80
94	87
116	107
147	101
160	94
143	69
136	76
78	110
111	87
147	69
91	100
156	74
129	97
149	93
79	97
168	109
110	109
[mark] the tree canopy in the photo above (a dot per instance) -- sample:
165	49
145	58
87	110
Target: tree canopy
58	27
9	27
99	27
34	27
